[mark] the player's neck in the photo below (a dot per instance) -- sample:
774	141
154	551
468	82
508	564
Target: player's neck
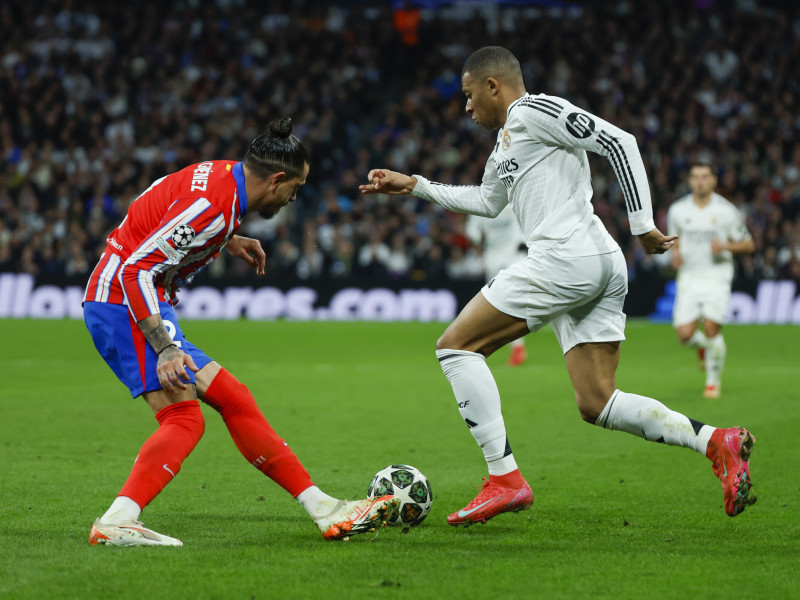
510	95
255	189
702	201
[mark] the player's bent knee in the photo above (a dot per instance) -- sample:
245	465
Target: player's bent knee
445	343
228	396
198	423
590	416
590	406
450	341
685	332
711	328
186	415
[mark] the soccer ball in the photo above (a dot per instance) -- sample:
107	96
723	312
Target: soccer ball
408	484
183	235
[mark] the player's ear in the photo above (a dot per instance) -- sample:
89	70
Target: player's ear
492	85
277	178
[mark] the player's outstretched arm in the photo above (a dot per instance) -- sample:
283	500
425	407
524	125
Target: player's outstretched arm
384	181
655	242
249	250
486	200
172	361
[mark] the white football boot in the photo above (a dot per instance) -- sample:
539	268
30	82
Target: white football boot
129	533
357	516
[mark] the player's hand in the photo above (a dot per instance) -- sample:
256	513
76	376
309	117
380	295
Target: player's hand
171	369
655	242
250	251
716	246
384	181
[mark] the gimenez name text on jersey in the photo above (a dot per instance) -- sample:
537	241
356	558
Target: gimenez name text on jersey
200	177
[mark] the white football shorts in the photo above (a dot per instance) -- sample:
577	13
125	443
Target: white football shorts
581	297
700	298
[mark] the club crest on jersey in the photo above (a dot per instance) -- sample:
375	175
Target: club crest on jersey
183	235
506	140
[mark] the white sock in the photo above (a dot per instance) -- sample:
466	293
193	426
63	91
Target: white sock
518	343
316	502
715	359
121	510
698	340
479	404
651	420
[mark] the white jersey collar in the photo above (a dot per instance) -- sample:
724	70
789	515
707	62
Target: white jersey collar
515	102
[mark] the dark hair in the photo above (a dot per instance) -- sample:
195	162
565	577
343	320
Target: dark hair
702	164
277	150
492	61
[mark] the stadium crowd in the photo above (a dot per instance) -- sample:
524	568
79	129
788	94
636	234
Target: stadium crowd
100	99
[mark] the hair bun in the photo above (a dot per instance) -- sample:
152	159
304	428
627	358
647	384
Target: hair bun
282	128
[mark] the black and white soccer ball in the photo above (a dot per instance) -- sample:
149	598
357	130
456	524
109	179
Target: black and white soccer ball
411	486
183	235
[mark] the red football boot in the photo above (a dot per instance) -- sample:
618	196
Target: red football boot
492	500
729	449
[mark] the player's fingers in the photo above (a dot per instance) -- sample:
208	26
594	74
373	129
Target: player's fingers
189	361
367	189
177	379
261	259
670	238
378	178
166	383
248	259
173	375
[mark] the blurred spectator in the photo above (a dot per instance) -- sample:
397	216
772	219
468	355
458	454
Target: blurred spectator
98	100
406	23
373	257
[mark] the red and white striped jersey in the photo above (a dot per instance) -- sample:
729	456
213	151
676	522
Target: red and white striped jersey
173	230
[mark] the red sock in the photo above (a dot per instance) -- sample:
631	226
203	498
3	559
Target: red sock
512	480
253	435
181	426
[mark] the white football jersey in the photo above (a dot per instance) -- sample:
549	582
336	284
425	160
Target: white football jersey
501	238
696	227
539	166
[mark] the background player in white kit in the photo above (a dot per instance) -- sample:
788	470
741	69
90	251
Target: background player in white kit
710	231
574	277
503	244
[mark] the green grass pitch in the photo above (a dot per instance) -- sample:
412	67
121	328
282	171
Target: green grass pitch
614	516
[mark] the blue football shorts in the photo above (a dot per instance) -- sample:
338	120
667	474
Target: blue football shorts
123	346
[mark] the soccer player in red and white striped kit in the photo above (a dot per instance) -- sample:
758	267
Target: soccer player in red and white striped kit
173	230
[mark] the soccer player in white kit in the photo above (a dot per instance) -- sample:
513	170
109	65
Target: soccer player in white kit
503	244
574	277
710	231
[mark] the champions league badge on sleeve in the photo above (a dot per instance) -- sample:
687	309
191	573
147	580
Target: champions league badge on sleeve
183	235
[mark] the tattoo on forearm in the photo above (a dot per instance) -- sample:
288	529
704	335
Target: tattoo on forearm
156	334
